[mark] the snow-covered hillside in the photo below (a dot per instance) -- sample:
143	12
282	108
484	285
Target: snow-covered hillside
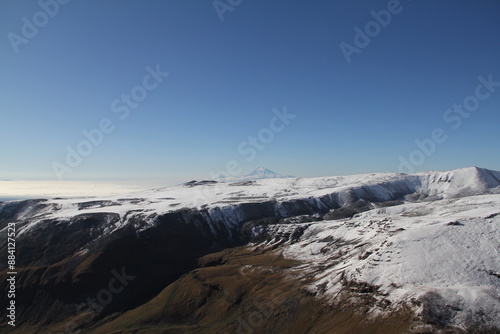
441	255
427	241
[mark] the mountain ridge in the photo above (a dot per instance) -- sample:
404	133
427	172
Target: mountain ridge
387	239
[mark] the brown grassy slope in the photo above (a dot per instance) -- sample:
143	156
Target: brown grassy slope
247	292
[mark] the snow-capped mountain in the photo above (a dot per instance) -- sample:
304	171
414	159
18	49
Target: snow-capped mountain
264	173
423	248
257	174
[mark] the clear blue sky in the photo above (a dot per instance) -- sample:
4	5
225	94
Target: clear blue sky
226	77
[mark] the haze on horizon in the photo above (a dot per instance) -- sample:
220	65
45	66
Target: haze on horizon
161	92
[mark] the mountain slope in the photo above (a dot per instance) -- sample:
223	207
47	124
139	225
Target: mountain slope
441	258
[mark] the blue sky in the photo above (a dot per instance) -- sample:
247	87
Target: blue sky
226	78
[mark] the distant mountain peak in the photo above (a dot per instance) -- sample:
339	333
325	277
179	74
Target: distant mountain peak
262	170
257	174
264	173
